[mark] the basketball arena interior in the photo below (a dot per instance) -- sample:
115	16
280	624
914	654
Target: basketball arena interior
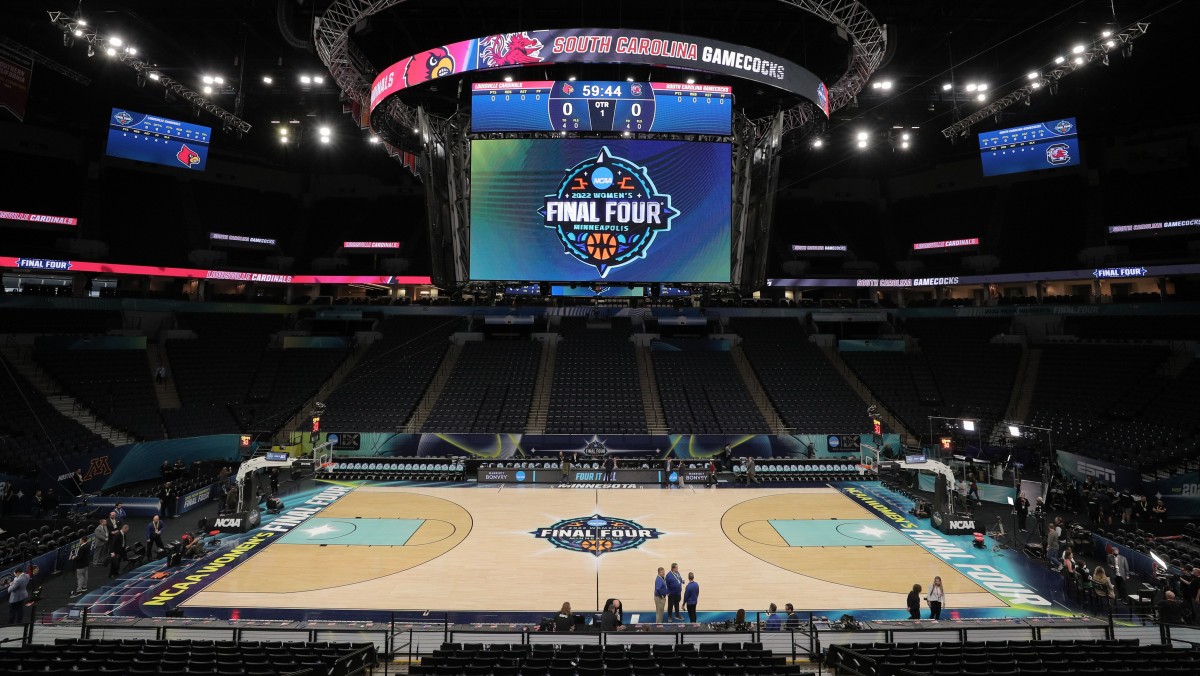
631	339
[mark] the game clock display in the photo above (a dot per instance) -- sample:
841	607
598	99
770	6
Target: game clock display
548	105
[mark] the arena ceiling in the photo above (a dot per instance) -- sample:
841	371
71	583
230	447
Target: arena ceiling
992	42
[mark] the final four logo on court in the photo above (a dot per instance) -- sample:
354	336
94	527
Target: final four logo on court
607	212
597	534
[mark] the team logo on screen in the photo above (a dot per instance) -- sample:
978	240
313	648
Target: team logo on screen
1063	126
123	118
437	62
187	156
823	97
509	49
597	534
635	89
1058	153
607	212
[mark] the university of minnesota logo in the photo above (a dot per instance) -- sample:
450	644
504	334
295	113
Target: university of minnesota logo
597	534
607	212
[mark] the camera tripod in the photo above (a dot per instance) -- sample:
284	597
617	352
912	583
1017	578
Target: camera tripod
999	536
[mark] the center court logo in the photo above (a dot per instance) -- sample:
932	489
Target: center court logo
597	534
607	212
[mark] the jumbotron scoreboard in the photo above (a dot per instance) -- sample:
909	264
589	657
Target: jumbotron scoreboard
548	105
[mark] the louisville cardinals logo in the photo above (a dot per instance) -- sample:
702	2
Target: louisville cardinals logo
429	65
607	212
187	156
509	49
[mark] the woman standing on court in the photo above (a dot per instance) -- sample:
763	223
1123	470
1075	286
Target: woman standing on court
936	597
914	603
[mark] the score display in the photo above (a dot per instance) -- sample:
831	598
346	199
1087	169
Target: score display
548	105
1044	145
148	138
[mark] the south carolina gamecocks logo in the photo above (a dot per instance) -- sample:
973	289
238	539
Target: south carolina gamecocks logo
607	212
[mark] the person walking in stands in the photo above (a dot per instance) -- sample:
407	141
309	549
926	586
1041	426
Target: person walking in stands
82	560
18	592
660	594
154	536
116	551
914	603
100	543
936	597
691	596
674	592
1022	511
749	470
1119	565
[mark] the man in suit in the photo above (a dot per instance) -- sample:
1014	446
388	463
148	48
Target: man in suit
1118	567
18	593
1022	511
81	561
660	594
691	596
674	592
116	551
100	543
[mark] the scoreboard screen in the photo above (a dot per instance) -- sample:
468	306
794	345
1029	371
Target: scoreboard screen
1044	145
148	138
548	105
605	211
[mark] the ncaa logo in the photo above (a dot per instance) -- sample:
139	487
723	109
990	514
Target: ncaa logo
597	534
123	118
1063	126
834	442
1058	153
607	212
520	475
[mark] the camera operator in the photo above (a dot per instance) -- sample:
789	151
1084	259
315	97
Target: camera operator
1170	611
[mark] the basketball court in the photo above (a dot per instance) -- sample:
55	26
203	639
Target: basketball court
495	549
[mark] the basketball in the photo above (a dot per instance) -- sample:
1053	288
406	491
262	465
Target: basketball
601	245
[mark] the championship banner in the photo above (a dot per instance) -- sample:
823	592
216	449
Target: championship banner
1082	468
599	45
16	71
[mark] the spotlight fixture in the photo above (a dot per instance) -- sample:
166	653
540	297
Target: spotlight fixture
372	139
1105	34
1035	85
324	131
983	87
981	97
947	87
131	50
905	136
508	78
571	78
1033	75
862	144
1110	44
154	76
324	139
1158	559
818	143
110	51
304	79
115	42
876	84
318	79
1079	61
971	86
862	136
968	425
904	145
1077	49
82	22
691	80
1014	431
283	138
267	79
629	78
625	134
207	89
283	131
207	79
78	33
219	80
1059	59
886	84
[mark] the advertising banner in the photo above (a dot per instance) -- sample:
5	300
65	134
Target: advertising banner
195	499
1180	494
1081	468
112	467
599	45
16	71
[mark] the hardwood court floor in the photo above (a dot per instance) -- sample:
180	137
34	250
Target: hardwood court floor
473	549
